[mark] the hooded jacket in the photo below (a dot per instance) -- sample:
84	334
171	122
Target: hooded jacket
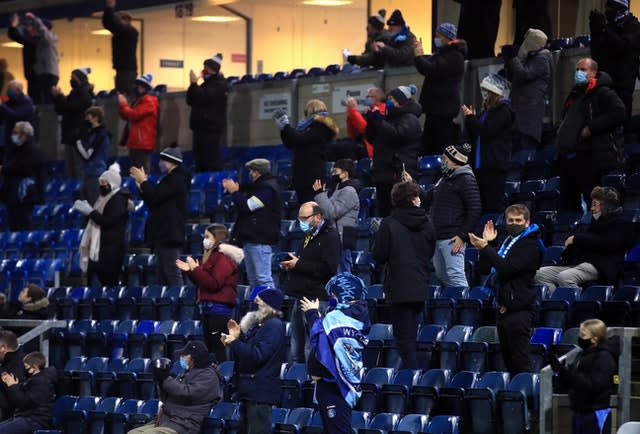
218	276
309	147
124	40
396	141
34	310
454	204
493	129
34	397
443	72
72	108
208	103
98	139
143	115
343	208
404	244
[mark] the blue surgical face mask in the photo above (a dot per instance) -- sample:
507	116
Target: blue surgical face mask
581	78
367	102
390	104
183	363
163	166
305	226
12	93
15	138
438	42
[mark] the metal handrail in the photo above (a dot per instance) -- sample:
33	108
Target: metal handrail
39	328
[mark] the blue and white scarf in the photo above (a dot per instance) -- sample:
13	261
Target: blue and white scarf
304	124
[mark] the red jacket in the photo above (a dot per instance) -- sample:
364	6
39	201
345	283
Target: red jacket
217	278
356	124
143	115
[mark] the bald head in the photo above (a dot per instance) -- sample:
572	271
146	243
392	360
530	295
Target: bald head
311	213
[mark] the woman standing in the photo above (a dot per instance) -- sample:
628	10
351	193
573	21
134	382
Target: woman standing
216	279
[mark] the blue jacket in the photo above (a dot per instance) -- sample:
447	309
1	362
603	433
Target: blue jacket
259	355
99	139
18	108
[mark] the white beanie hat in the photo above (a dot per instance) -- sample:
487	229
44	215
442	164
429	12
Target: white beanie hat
145	79
112	176
497	84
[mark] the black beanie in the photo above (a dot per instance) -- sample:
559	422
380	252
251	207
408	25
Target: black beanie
214	62
377	21
396	19
198	352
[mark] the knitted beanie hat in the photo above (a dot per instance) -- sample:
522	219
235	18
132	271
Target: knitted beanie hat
497	84
534	40
272	296
458	154
346	288
377	20
112	176
448	30
82	73
396	19
214	62
402	94
145	80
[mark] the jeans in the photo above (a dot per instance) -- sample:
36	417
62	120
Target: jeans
151	428
299	336
255	418
554	276
19	425
257	260
346	262
449	267
587	423
168	273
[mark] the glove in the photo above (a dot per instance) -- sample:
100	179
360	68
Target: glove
281	118
161	374
597	20
556	365
351	59
508	52
83	207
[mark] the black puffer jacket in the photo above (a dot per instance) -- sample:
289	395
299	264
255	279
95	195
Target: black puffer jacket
454	204
404	244
72	108
113	226
599	108
495	136
515	272
396	141
167	203
208	103
34	397
443	72
12	363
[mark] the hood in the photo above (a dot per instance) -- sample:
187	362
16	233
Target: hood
355	183
413	218
101	129
236	254
462	170
360	311
327	122
43	303
411	107
534	40
601	79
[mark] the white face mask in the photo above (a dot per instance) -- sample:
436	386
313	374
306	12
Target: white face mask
207	244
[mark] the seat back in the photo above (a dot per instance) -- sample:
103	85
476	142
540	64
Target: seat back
443	425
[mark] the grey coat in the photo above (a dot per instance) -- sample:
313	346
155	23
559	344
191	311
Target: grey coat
46	58
188	399
529	81
342	207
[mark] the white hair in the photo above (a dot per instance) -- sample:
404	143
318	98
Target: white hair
24	127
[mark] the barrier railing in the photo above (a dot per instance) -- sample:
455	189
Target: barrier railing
40	327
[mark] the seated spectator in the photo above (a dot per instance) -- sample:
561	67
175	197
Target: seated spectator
375	33
32	398
35	304
596	252
11	356
398	50
356	122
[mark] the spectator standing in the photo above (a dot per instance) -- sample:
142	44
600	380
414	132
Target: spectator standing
478	25
167	203
491	134
257	226
5	77
23	177
140	134
529	70
309	269
46	58
342	206
596	251
590	379
186	399
124	42
588	134
356	122
440	95
32	398
94	151
615	45
72	109
396	143
103	242
216	279
19	107
404	245
455	208
308	142
11	357
337	340
397	50
375	33
19	34
258	347
208	120
513	266
531	14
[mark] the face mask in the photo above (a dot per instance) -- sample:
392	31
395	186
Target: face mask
611	15
205	74
207	244
584	343
163	166
73	84
446	170
140	91
390	104
438	42
12	93
514	230
183	363
305	226
484	93
335	179
596	215
105	190
581	78
15	138
28	373
367	102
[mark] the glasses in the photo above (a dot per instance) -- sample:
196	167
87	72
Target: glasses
306	217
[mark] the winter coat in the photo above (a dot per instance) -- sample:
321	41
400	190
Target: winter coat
491	135
143	115
515	272
217	278
188	398
72	108
531	14
99	139
530	80
34	398
616	48
46	56
19	34
208	103
478	24
12	364
259	354
368	56
20	162
602	243
309	147
598	107
167	203
443	72
260	226
396	141
317	263
342	208
124	41
357	125
16	109
34	310
404	244
113	228
454	204
398	50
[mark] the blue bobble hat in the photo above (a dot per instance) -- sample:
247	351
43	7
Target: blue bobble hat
402	94
346	287
145	80
448	30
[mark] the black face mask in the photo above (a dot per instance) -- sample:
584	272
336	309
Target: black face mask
611	14
335	179
140	92
105	190
584	343
74	84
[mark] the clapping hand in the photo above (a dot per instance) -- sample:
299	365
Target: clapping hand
15	20
83	207
489	232
234	332
468	110
477	242
318	186
281	118
121	98
306	304
138	174
192	77
230	185
9	379
418	49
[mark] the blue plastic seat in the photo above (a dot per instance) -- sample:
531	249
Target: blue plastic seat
444	425
521	396
395	395
381	424
296	421
449	346
373	352
96	417
451	397
371	386
411	423
116	423
76	420
424	393
481	403
425	343
291	385
223	417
